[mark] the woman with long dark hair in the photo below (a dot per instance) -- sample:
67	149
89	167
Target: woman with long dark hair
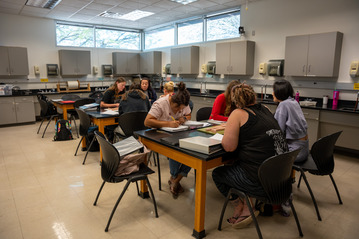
112	96
172	111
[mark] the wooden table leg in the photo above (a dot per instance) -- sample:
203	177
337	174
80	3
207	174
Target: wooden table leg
200	203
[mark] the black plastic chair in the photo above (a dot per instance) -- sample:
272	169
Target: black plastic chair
110	162
73	114
275	177
44	115
85	124
320	162
203	113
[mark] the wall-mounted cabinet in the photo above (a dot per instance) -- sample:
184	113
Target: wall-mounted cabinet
75	62
125	63
185	60
13	61
313	55
235	58
150	62
17	110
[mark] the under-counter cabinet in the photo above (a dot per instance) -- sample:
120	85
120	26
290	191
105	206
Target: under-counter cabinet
331	122
75	62
13	61
313	55
312	118
185	60
150	62
125	63
235	58
16	110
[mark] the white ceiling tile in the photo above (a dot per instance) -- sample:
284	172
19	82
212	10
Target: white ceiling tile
10	6
9	10
100	7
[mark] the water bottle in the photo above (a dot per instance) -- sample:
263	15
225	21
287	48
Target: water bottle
297	96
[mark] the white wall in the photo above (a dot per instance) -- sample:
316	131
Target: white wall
271	20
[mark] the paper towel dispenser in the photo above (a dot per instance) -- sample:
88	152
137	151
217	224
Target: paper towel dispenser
52	69
107	70
275	67
167	69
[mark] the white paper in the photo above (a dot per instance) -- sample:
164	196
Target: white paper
57	100
217	136
179	128
217	122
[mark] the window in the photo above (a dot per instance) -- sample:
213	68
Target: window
111	38
159	38
71	35
191	31
223	26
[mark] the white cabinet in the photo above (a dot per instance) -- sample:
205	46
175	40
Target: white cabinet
13	61
150	62
125	63
185	60
235	58
17	110
75	62
313	55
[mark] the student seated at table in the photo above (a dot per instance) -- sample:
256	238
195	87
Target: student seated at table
223	106
148	90
111	99
168	88
112	96
171	111
133	101
252	134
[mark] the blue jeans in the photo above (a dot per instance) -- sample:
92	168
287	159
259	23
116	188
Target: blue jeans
177	168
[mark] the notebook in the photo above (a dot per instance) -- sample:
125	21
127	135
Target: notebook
128	146
201	144
179	128
205	130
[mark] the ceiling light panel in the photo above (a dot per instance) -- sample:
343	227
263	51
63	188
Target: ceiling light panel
49	4
184	2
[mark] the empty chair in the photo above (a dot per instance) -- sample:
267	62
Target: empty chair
320	162
77	104
275	177
46	114
85	129
203	113
110	162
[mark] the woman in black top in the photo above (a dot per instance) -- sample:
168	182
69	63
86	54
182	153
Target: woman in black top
148	90
113	94
252	135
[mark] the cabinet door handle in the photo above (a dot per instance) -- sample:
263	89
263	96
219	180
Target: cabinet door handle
309	68
303	68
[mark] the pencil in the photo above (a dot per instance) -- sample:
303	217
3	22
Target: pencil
173	118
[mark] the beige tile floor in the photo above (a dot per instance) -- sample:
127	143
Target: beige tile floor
45	192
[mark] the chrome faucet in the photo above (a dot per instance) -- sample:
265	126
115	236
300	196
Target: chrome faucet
265	91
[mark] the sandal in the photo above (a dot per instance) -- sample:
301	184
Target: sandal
246	220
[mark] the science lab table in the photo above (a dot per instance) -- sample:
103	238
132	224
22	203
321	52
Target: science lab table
200	162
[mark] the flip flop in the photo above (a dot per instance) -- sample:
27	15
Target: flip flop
245	222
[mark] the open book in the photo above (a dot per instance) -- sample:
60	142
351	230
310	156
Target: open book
127	146
201	144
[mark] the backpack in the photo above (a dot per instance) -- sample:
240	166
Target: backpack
62	130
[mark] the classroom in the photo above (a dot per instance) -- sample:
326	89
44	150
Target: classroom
81	48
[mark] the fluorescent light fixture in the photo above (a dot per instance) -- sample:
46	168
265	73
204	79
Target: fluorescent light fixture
135	15
49	4
132	16
184	2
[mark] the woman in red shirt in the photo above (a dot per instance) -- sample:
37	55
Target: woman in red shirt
222	106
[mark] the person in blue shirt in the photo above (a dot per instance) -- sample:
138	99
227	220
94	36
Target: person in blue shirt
291	119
